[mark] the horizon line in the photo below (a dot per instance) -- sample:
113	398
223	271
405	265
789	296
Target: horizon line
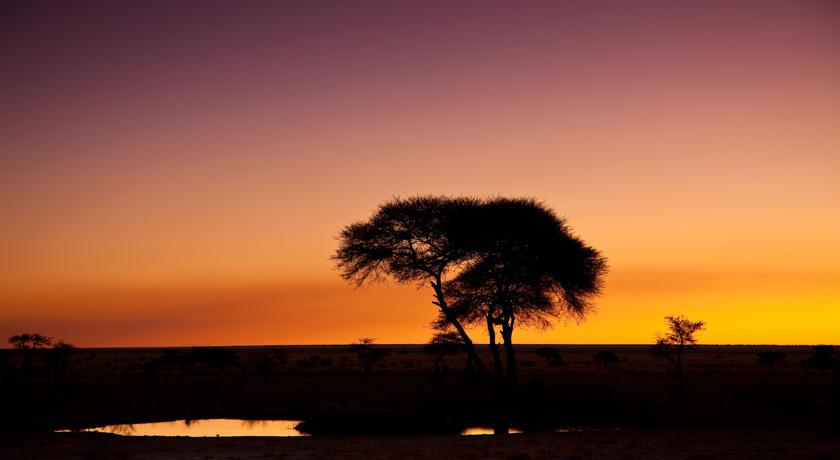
164	347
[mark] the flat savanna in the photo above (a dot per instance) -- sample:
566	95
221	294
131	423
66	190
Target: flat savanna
579	406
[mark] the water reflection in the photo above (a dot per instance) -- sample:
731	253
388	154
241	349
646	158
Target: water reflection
205	428
238	427
480	430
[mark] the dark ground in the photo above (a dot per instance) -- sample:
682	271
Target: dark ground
730	405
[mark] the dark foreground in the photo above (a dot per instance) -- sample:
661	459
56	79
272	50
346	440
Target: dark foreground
730	404
635	443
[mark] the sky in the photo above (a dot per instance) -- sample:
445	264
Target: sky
176	173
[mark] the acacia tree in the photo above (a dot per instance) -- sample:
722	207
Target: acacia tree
29	343
419	240
677	340
500	262
368	354
528	269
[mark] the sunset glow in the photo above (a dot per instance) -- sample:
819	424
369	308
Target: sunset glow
169	182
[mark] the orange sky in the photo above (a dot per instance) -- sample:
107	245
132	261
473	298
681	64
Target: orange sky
173	176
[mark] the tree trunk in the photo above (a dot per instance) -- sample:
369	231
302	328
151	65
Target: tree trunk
500	422
509	385
507	336
468	343
494	351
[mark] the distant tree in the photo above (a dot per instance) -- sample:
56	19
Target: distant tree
443	344
552	356
674	343
770	358
58	357
368	354
30	341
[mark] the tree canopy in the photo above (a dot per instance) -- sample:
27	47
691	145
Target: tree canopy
497	261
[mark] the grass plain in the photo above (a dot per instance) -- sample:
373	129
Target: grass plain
730	405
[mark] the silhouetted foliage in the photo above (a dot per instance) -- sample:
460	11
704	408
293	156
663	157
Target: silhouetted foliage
677	341
28	344
552	356
58	357
606	357
368	354
30	341
415	240
528	269
770	358
500	262
823	358
443	344
660	350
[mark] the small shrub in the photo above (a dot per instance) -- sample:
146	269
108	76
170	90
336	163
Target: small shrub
551	355
368	354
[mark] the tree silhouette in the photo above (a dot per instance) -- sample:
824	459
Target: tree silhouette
552	356
368	354
676	341
499	262
443	344
29	343
527	269
58	357
415	240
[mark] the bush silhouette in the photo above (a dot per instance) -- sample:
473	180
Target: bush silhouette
368	354
552	356
58	357
443	344
676	342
